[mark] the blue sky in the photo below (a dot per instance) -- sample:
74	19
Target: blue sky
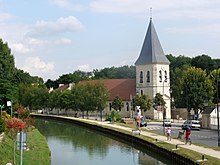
49	38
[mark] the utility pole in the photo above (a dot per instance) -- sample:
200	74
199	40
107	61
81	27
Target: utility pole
217	76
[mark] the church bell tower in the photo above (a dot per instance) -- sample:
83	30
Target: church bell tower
153	73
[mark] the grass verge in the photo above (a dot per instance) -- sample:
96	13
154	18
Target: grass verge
38	152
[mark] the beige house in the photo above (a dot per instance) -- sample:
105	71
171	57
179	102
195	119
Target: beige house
209	117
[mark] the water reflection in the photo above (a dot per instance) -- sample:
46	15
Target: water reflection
72	144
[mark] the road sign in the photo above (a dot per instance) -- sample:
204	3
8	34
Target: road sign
21	141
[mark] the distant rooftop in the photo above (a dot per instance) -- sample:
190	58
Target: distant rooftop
124	88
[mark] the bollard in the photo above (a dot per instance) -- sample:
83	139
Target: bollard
156	140
202	160
177	147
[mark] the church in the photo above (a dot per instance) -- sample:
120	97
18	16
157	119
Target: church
153	73
152	76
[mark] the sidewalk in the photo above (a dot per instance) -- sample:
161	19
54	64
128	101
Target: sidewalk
199	149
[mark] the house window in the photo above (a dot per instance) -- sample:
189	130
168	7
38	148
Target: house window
160	76
110	106
148	76
165	76
142	93
127	106
141	77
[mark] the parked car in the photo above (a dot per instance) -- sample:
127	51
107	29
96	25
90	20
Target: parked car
192	124
166	123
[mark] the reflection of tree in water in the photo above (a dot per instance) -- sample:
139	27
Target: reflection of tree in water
80	137
143	158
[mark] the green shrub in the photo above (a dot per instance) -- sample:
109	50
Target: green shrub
115	116
2	125
23	113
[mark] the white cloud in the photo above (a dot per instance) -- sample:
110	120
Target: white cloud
5	16
35	66
61	25
63	41
85	67
20	48
67	5
211	29
169	9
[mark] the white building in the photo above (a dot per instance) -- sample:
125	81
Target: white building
210	118
153	73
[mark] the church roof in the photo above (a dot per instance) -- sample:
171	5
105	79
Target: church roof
124	88
151	52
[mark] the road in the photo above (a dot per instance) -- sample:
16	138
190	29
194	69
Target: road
204	136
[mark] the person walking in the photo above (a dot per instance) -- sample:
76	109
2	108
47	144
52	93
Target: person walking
168	132
180	135
188	133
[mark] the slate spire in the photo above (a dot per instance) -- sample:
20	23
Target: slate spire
151	52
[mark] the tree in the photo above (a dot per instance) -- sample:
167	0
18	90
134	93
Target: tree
143	101
176	87
101	97
33	96
65	100
51	84
215	76
196	87
53	101
158	101
113	72
7	91
117	103
179	61
90	97
204	62
7	64
79	95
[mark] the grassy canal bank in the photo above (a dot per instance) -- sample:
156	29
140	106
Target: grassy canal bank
38	152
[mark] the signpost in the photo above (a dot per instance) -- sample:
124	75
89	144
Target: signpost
21	143
9	104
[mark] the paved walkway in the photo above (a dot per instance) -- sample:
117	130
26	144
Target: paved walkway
199	149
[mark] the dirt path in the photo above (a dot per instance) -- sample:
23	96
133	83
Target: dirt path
1	137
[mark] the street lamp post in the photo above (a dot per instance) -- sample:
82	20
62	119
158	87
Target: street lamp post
217	109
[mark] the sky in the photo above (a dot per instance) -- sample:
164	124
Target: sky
49	38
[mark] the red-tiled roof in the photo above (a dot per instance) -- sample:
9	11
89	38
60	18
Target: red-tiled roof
124	88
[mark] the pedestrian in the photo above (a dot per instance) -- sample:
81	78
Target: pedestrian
188	133
138	121
168	132
180	135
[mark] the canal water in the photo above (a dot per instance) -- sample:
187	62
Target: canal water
71	144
